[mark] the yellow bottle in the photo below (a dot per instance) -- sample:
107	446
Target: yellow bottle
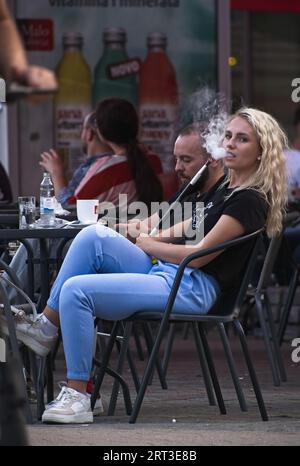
73	100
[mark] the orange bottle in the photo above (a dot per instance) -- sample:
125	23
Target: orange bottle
158	94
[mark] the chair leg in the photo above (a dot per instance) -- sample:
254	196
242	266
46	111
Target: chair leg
122	357
34	364
40	384
212	370
232	367
287	307
148	372
255	384
204	366
138	343
150	343
266	334
275	341
49	378
133	371
168	348
105	359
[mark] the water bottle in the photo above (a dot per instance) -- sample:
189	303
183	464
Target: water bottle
47	201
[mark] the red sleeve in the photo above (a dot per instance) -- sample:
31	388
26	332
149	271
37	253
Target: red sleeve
105	180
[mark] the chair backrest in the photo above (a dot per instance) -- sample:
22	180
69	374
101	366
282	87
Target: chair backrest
269	261
273	250
230	302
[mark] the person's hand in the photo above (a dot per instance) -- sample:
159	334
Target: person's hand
52	163
146	243
36	77
130	230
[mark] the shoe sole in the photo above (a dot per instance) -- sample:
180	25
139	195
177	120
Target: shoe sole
98	410
84	418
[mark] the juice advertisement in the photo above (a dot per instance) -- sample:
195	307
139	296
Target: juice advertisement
73	101
158	106
154	53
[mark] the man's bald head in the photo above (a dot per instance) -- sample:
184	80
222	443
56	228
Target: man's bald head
189	153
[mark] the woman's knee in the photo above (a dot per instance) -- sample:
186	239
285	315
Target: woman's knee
71	295
87	234
94	234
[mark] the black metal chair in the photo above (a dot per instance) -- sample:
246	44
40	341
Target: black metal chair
225	311
292	286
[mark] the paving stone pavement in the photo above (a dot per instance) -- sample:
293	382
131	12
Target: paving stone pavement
181	415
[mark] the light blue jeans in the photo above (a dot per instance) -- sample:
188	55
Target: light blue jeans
104	275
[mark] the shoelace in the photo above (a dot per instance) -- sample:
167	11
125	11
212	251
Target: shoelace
67	397
64	398
62	385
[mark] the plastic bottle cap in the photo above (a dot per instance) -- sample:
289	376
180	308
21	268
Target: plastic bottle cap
114	35
157	39
72	39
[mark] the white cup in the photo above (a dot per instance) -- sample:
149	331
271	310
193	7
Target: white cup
87	210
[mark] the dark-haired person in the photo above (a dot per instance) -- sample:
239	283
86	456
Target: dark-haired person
93	150
130	170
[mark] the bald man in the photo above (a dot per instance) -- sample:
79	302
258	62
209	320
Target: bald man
190	156
93	149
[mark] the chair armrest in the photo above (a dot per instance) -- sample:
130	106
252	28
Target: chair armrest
196	255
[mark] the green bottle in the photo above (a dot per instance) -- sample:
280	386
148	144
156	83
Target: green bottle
114	52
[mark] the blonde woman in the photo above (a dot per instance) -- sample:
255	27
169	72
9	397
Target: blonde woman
107	276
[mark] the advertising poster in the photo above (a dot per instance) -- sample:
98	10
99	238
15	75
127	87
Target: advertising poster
154	53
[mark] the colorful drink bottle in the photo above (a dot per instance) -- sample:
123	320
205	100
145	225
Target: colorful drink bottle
73	100
105	85
158	96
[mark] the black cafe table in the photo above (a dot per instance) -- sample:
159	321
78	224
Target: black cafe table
43	235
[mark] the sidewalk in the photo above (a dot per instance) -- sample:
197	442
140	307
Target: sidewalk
181	415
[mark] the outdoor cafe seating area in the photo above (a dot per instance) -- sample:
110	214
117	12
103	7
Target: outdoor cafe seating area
257	365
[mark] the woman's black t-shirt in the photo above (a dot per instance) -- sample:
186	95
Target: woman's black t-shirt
251	210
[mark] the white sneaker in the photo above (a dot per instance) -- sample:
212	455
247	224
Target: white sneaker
98	408
30	332
70	407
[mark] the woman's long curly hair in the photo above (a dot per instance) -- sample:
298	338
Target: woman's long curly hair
270	179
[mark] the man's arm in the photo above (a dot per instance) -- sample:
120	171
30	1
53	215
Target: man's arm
12	53
52	163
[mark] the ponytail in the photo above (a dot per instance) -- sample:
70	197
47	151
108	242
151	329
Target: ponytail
148	186
118	123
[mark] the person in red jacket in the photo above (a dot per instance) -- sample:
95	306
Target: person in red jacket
130	170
